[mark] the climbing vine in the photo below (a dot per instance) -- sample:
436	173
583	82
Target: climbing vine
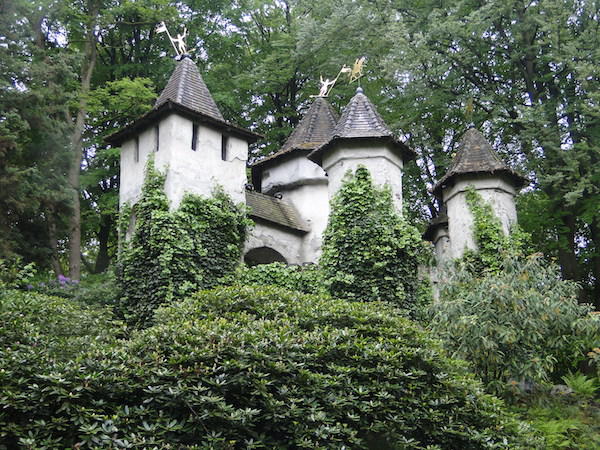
370	252
174	253
493	246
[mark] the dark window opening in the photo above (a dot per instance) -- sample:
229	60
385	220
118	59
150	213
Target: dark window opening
156	137
136	154
195	136
263	255
224	143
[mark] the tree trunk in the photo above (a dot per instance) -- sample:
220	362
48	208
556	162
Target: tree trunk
53	240
566	250
103	260
87	70
595	237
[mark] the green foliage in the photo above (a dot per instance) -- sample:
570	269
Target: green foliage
241	368
493	246
172	254
15	274
93	289
581	384
566	422
370	252
523	323
306	279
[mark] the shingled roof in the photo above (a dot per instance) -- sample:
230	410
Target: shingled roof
186	87
187	94
360	120
274	210
476	156
314	129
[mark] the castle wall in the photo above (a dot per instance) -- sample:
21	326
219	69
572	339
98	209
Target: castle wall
498	192
383	162
197	172
303	184
286	242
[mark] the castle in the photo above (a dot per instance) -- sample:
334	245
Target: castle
289	196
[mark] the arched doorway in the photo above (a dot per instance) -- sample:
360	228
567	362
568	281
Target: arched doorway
263	255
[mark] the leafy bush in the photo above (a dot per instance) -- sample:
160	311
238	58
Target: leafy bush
306	279
15	274
523	323
93	289
172	254
249	368
369	251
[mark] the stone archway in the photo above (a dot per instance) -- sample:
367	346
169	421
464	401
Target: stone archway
263	255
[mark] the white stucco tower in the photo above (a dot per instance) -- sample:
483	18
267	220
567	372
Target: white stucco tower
299	183
190	140
476	165
361	138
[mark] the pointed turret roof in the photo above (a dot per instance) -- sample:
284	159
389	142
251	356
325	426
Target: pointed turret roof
187	88
360	120
314	129
186	94
476	156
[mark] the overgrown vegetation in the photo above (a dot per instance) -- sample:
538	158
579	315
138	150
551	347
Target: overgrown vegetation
521	324
238	368
370	252
174	253
307	279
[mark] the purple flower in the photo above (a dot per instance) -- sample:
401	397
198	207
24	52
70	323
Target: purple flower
29	287
62	278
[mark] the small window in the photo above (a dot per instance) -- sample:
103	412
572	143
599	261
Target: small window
224	144
136	154
195	136
156	137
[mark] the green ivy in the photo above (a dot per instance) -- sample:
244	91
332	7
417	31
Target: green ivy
307	279
174	253
370	252
493	246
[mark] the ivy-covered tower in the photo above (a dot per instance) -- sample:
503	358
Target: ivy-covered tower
190	140
361	138
476	165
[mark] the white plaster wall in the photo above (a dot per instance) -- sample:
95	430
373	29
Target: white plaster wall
287	243
383	162
293	170
499	193
441	245
197	172
312	203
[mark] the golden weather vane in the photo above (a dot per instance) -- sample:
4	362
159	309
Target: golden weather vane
354	73
178	42
357	69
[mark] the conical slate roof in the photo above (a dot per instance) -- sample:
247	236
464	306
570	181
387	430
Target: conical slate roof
360	120
187	88
476	155
314	129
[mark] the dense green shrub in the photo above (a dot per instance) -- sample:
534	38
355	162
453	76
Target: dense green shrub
174	253
249	368
93	289
307	279
370	252
15	274
523	323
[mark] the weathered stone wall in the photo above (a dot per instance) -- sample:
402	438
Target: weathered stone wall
197	172
384	163
498	192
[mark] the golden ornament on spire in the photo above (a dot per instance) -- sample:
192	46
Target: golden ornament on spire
357	69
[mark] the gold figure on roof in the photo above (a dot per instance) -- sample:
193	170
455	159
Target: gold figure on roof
357	69
327	84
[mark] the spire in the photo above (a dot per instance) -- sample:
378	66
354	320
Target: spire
361	119
476	155
187	88
314	129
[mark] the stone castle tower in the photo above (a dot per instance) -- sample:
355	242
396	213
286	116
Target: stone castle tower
191	142
478	166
